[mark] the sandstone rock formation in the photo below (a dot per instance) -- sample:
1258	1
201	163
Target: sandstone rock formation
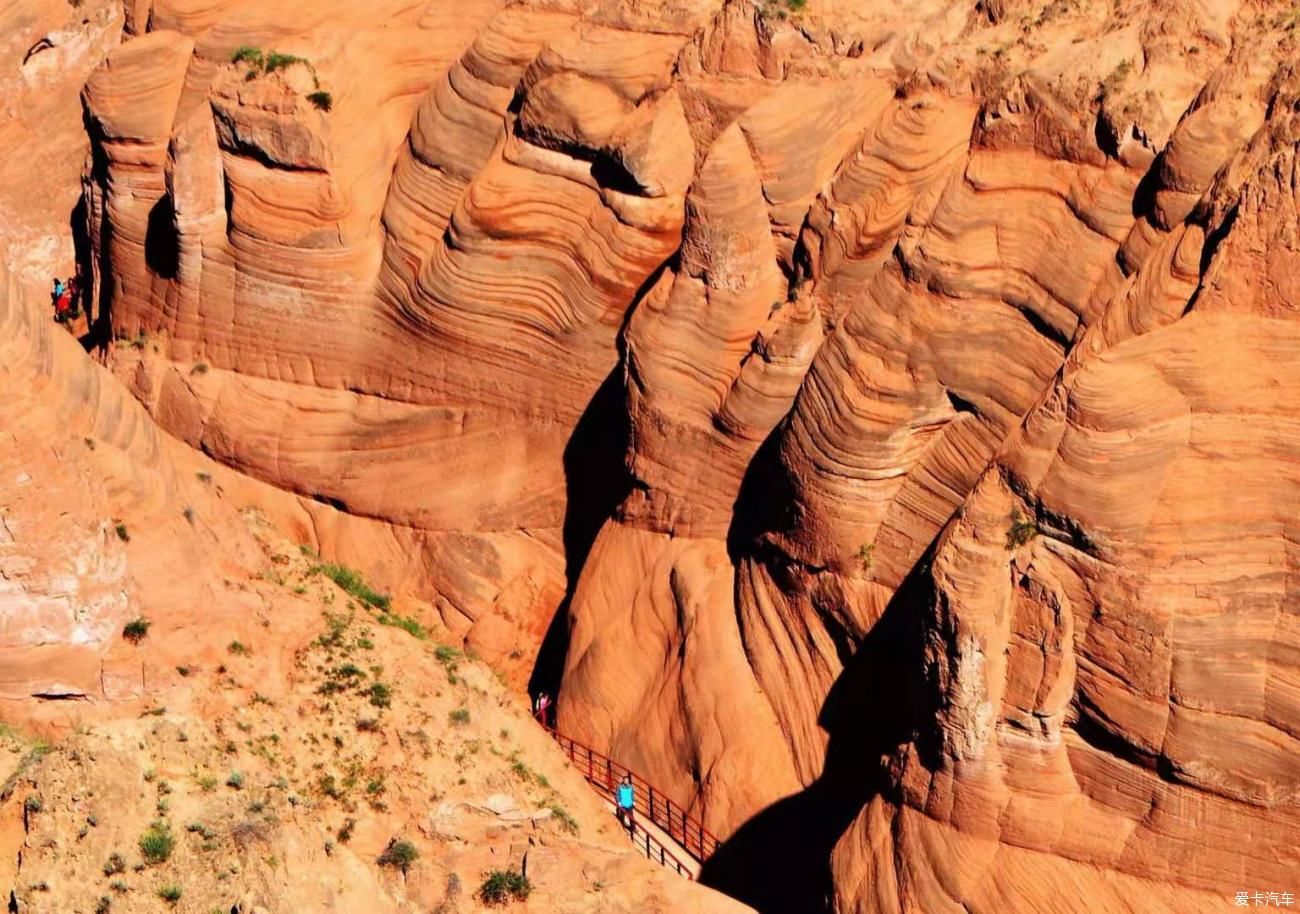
875	421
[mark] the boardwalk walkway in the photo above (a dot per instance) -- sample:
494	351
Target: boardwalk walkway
663	830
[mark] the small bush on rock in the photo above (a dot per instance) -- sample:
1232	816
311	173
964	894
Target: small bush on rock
399	855
503	885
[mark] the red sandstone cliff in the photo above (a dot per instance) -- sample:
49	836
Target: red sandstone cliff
874	421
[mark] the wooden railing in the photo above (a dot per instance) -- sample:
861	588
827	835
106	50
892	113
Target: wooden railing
604	774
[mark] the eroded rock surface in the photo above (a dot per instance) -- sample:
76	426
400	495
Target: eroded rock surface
892	403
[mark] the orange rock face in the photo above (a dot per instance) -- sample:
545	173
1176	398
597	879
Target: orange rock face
875	422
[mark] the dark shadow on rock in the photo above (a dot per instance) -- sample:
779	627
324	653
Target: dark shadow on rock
596	482
161	244
765	500
78	221
779	862
93	253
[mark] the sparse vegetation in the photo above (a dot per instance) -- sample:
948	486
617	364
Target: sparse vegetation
248	54
157	842
32	804
345	830
399	855
501	886
122	533
329	786
1117	76
260	64
561	815
203	831
199	368
1021	531
203	477
170	893
352	583
238	648
406	623
136	630
866	555
114	865
459	716
277	61
381	694
782	9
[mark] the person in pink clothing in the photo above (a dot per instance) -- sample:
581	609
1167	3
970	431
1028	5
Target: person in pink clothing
544	713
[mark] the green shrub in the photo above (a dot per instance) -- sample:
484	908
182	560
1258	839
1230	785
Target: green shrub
104	905
136	630
157	842
202	830
170	893
399	855
277	61
32	804
502	885
238	648
353	583
248	54
329	786
381	694
120	529
322	100
236	780
459	716
1021	531
561	815
114	865
404	622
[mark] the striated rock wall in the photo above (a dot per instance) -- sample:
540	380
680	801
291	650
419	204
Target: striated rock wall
892	403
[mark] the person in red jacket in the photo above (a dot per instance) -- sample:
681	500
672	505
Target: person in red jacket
62	300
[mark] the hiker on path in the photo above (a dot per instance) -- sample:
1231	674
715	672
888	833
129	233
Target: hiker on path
64	293
543	709
626	802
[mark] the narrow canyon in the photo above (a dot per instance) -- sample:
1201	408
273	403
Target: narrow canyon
870	421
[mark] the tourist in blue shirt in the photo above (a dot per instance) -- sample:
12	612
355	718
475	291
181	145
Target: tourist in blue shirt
626	803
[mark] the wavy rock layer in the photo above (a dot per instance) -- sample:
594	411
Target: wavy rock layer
896	401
